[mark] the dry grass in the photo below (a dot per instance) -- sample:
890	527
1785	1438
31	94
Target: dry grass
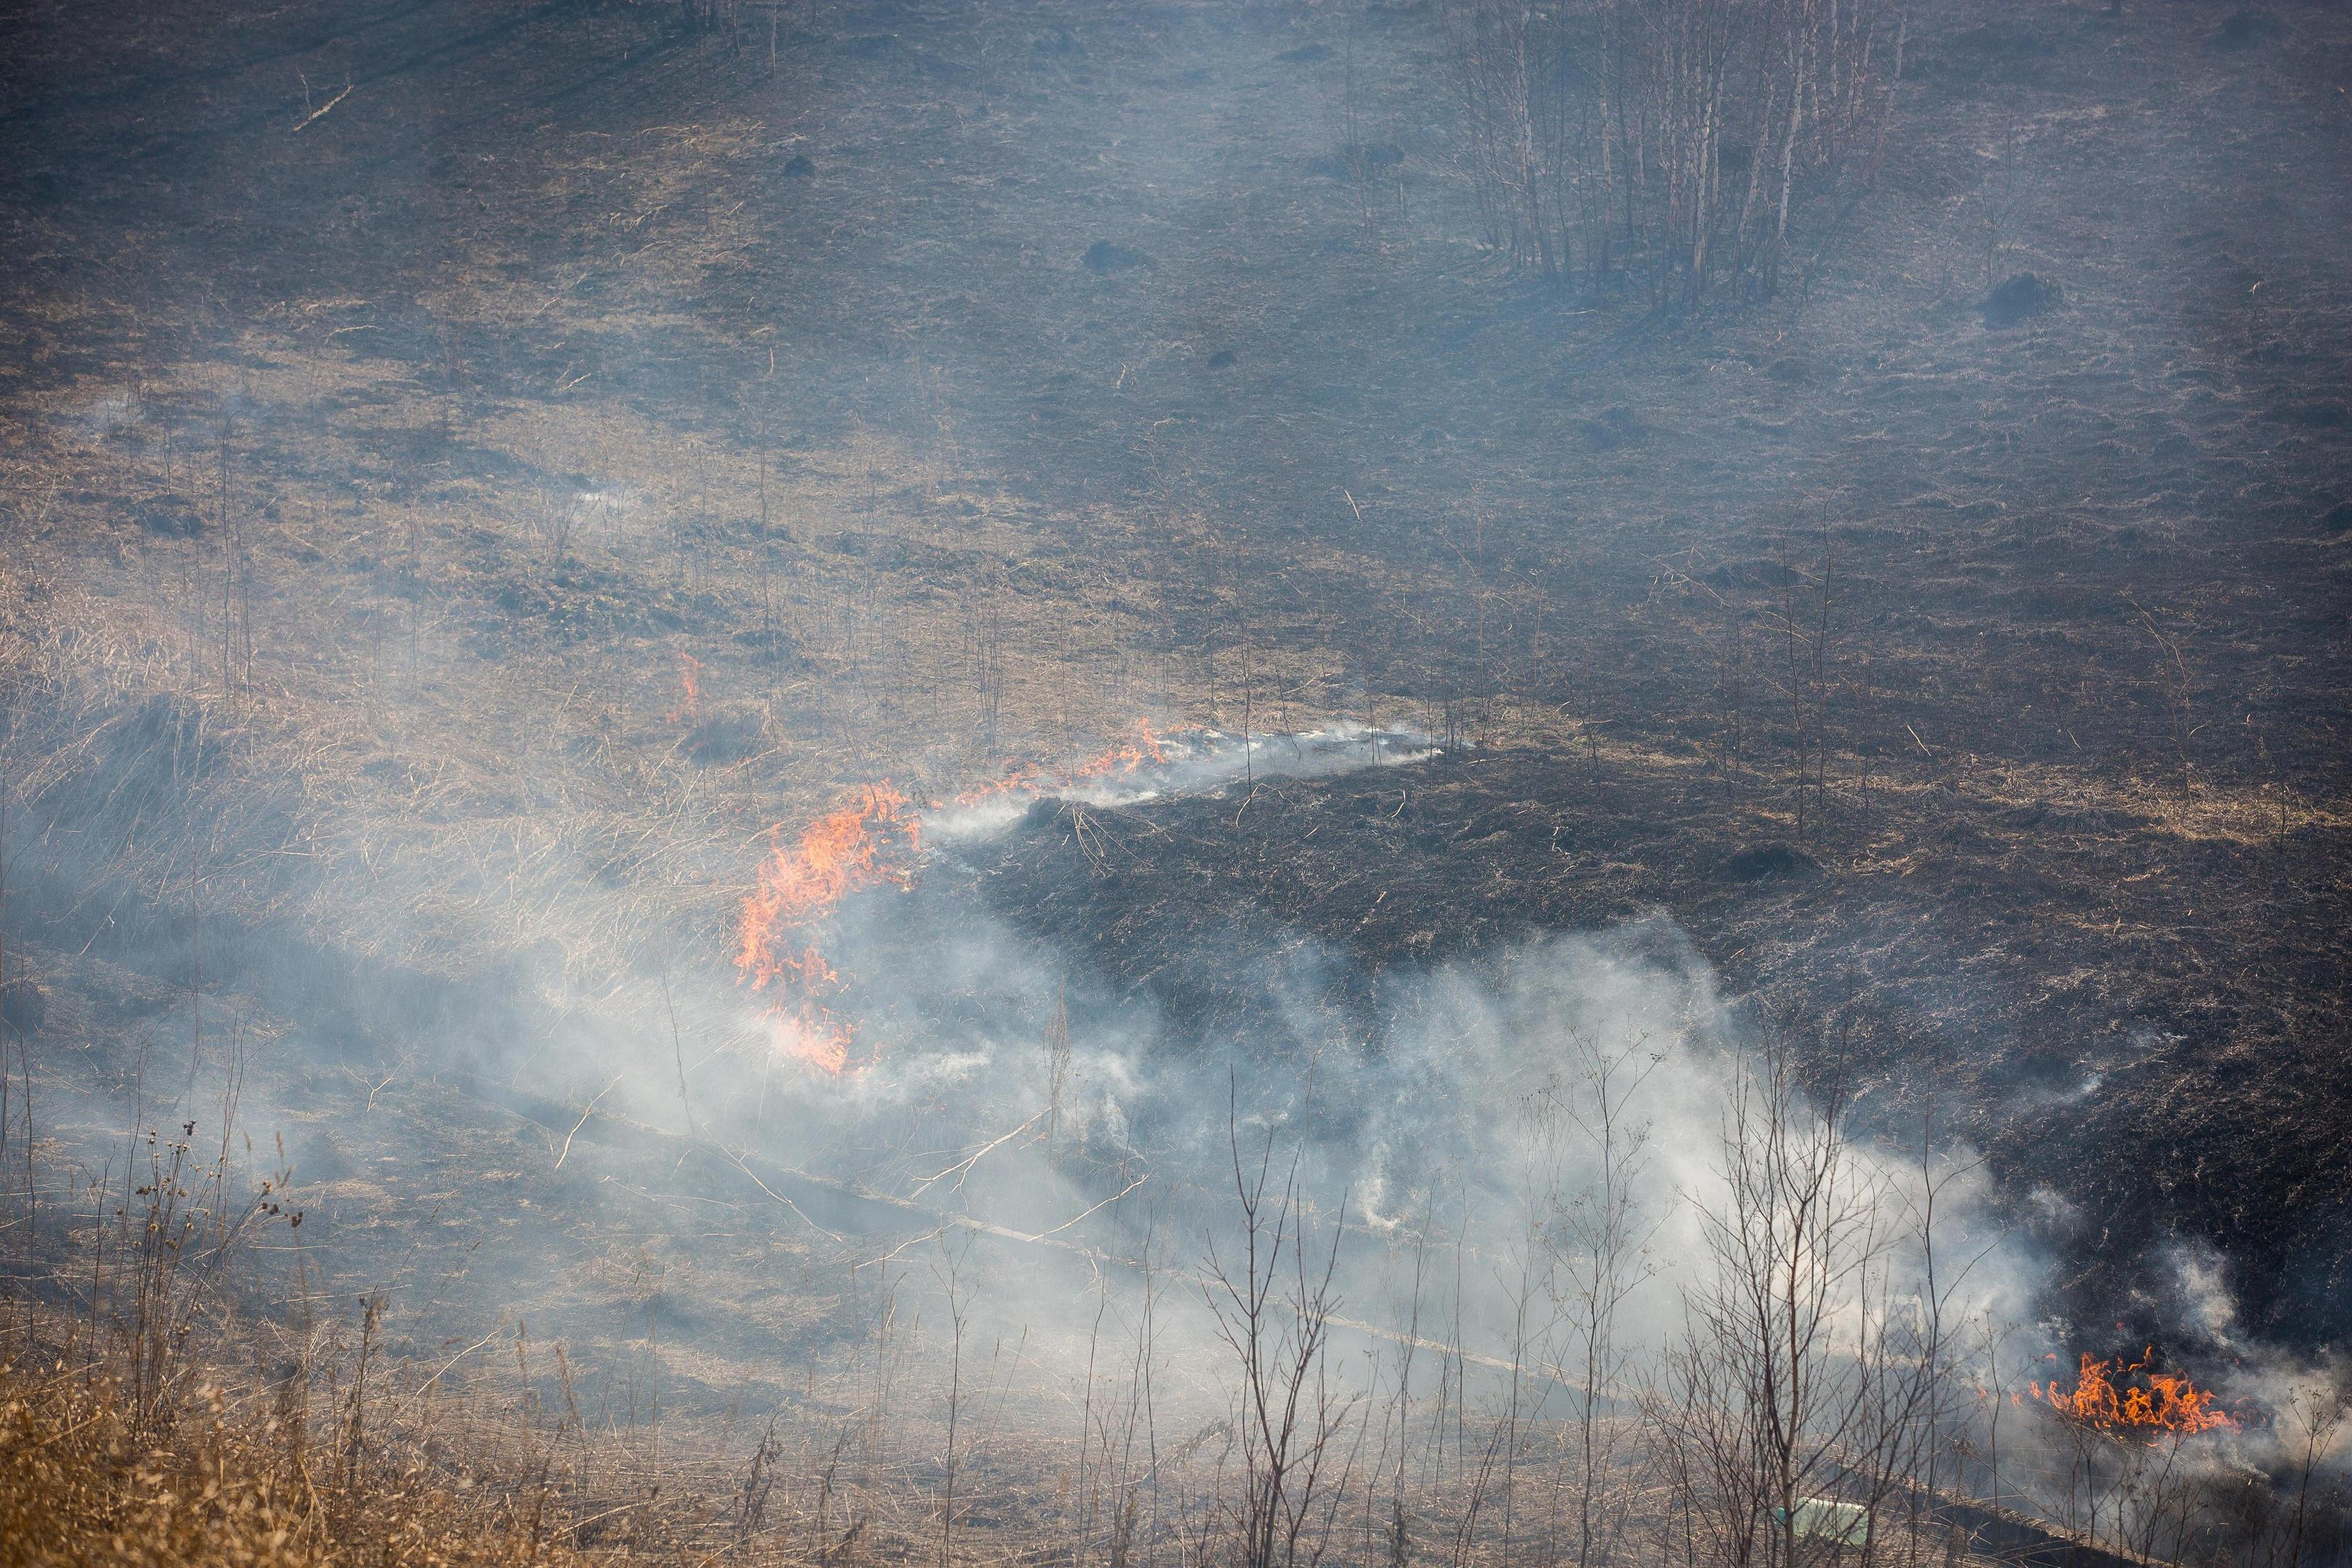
82	1481
306	1471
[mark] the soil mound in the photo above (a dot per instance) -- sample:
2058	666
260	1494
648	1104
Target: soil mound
171	516
2022	297
2243	30
1772	861
1103	257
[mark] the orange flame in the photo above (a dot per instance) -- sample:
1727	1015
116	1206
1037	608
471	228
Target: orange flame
869	842
2168	1402
1124	758
689	702
1117	762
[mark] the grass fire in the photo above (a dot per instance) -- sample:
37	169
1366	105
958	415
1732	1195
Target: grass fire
872	841
1176	784
2133	1400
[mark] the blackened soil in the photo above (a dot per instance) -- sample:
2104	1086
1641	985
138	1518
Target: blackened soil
2140	1024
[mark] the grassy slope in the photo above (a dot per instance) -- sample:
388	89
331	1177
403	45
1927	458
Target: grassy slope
541	252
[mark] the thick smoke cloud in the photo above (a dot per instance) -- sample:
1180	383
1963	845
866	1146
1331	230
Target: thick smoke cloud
1449	1115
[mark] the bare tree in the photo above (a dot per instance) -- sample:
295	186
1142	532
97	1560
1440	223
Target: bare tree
1788	1383
1273	1309
1602	1258
2317	1414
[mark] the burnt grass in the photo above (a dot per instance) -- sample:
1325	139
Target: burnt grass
2129	1031
1090	332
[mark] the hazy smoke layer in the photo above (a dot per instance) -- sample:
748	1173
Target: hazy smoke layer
1448	1111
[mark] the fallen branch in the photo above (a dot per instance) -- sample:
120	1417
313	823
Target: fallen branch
321	112
576	1126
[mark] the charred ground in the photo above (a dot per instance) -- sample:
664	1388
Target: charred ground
2027	977
954	383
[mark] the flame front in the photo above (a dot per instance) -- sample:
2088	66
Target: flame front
875	839
1124	758
872	841
2164	1401
1117	762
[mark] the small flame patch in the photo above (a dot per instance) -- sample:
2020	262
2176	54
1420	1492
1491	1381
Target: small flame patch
689	698
2132	1401
1117	762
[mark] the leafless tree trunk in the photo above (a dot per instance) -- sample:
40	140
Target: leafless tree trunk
1603	1261
1797	1375
1273	1309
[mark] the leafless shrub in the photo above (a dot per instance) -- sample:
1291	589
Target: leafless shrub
1808	1368
1602	1257
1273	1309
